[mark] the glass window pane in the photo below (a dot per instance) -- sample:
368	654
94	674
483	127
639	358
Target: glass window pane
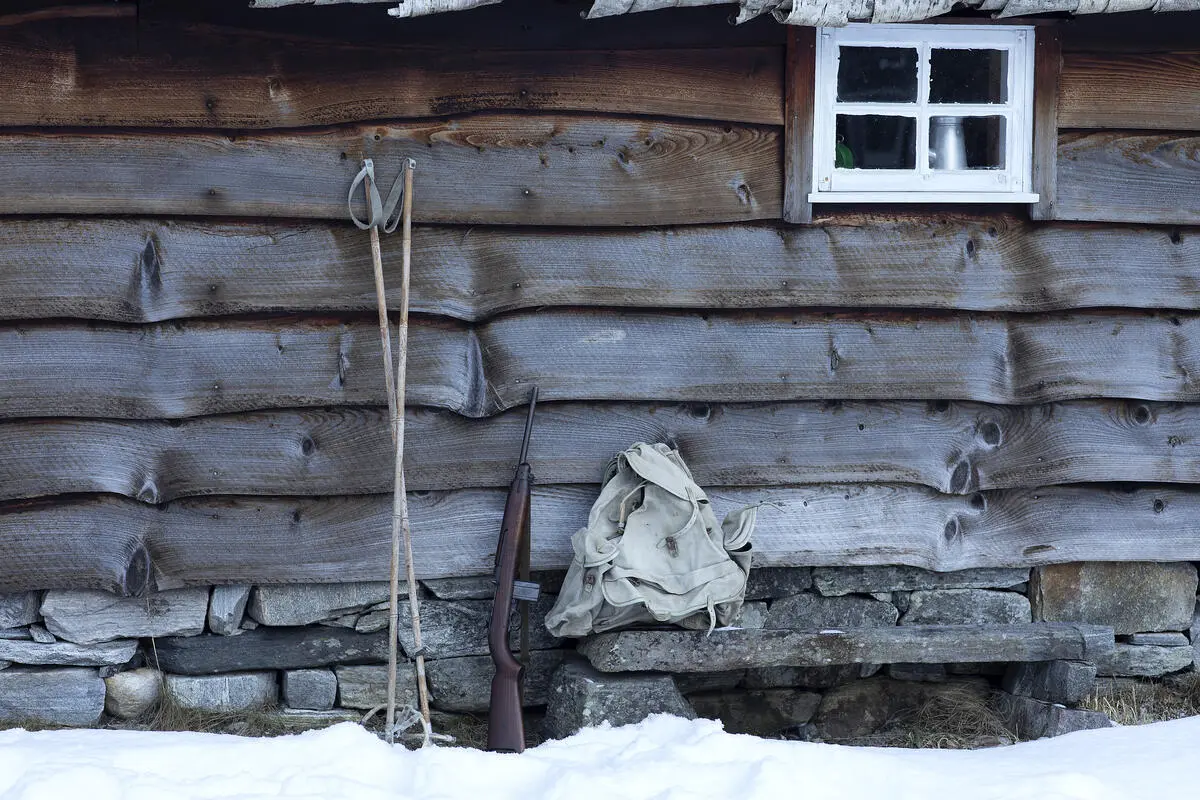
877	75
966	142
968	76
874	141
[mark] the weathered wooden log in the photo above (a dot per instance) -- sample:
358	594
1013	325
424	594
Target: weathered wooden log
88	541
1129	177
728	649
186	369
153	270
516	169
1155	91
173	79
956	448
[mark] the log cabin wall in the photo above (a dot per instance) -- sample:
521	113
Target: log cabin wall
192	391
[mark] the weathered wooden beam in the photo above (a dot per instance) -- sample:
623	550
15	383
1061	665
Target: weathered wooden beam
187	369
799	89
729	649
86	540
129	270
514	169
1123	176
956	448
1047	73
1148	91
175	79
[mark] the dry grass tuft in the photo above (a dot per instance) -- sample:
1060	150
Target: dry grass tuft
1129	701
953	719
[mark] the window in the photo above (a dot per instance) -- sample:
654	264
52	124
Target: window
923	113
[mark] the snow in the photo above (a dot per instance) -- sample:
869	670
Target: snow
663	758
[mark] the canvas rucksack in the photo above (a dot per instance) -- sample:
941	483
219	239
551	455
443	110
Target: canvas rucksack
652	552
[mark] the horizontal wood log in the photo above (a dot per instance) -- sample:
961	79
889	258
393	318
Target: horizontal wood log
187	369
152	270
96	74
956	448
1158	91
699	651
1123	176
90	541
489	168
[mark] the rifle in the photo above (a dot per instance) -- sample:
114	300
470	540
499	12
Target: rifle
506	729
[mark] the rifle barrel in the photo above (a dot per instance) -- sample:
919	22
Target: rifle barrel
533	398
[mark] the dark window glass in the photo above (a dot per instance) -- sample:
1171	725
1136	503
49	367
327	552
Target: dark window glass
968	76
874	141
877	75
966	142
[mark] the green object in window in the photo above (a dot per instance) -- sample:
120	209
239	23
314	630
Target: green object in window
843	157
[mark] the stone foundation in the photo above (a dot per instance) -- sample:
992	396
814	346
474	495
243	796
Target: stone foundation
75	657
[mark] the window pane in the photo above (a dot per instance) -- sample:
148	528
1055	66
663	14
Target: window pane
877	75
968	76
966	142
874	141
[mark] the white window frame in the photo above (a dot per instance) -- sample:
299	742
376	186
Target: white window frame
1013	184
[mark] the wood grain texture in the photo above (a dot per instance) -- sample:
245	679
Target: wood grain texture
130	270
97	75
87	541
698	651
1047	74
515	169
1129	177
188	369
1148	91
956	448
799	88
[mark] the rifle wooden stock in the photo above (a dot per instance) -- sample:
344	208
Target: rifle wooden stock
506	729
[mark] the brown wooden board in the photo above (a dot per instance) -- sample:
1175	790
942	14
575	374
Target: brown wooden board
95	74
801	60
130	270
739	648
1047	69
1154	91
955	448
85	541
488	168
1125	176
188	369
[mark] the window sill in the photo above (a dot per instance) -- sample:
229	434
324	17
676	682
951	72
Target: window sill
923	197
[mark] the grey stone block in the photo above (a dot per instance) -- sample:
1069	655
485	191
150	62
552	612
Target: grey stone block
927	673
41	635
692	682
752	615
306	603
761	712
810	612
1146	661
464	684
1159	639
68	653
807	677
300	719
62	696
365	687
581	697
478	587
90	617
1065	682
863	707
772	583
269	648
226	608
847	580
310	689
965	607
1130	597
451	629
18	609
131	694
1035	719
241	691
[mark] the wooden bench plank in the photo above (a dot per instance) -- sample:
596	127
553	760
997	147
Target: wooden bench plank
956	448
730	649
544	169
89	540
